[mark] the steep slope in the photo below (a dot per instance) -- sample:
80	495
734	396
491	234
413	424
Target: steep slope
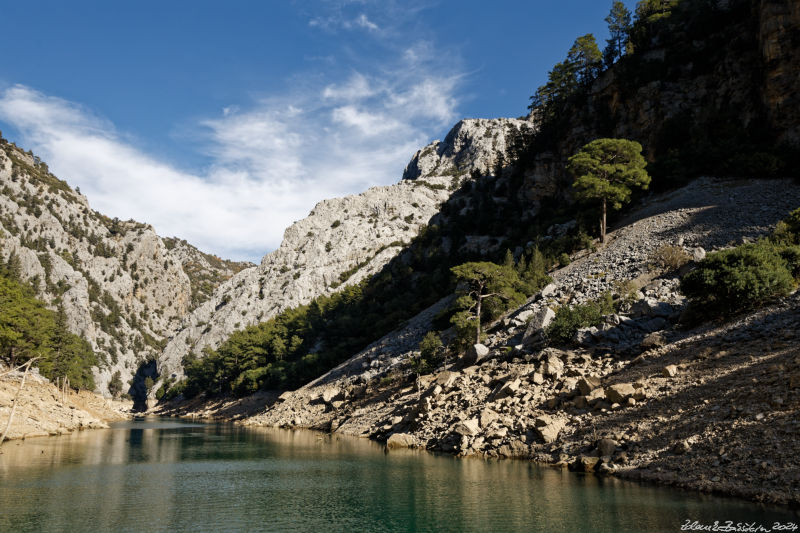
122	288
345	240
206	272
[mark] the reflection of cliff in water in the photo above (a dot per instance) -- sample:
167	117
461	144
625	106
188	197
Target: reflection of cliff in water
138	389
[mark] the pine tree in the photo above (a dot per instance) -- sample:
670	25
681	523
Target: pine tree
487	290
619	26
586	58
606	170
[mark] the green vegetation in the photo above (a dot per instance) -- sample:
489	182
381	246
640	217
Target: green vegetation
747	276
28	329
115	384
607	170
569	320
486	290
431	353
619	27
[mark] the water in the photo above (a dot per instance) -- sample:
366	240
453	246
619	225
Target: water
166	475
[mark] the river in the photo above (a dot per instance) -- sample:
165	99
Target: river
171	475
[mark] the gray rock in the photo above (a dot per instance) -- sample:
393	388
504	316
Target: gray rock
587	384
331	394
548	428
509	388
487	417
540	320
475	354
619	393
467	428
549	290
553	366
670	371
400	440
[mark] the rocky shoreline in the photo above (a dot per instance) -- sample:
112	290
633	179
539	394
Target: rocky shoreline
711	408
42	410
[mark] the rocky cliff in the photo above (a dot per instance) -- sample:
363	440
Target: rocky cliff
344	240
122	287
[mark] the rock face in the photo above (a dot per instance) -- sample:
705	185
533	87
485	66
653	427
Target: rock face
778	23
472	145
343	240
122	288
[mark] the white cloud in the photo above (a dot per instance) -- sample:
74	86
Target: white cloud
271	161
364	22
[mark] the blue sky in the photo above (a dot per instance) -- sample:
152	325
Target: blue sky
223	122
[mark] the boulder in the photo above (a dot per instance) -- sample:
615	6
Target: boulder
400	440
509	388
650	307
586	336
670	371
446	379
653	340
475	354
619	393
537	378
588	384
584	463
331	394
595	396
553	366
487	417
522	317
467	428
548	428
549	290
540	320
698	253
607	447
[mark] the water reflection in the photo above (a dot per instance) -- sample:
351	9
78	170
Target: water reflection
170	475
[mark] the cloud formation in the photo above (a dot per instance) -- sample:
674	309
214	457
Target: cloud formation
271	161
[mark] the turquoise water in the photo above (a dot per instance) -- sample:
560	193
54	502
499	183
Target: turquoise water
166	475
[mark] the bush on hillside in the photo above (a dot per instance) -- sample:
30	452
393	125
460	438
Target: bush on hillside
569	320
741	278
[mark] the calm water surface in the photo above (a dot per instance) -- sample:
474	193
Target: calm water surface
166	475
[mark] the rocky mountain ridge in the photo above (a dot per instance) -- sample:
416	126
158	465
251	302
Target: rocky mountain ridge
345	240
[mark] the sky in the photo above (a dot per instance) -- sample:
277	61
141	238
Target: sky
223	122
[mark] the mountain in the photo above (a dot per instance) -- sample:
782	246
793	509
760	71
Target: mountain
122	287
345	240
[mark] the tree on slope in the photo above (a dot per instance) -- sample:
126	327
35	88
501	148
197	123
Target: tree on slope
487	289
607	170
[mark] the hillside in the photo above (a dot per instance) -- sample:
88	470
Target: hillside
122	287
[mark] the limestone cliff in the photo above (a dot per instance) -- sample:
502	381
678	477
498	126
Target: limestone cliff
344	240
121	286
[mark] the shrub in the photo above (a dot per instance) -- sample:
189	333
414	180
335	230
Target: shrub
669	258
563	260
740	278
569	320
430	354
